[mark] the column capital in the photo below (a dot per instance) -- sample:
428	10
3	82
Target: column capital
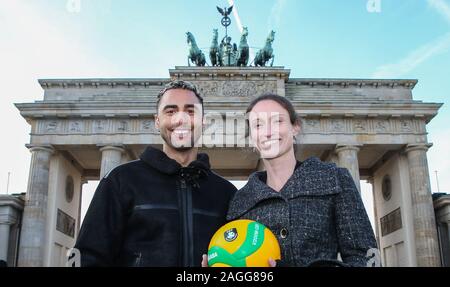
7	219
116	147
370	179
417	146
83	180
34	147
342	147
112	156
348	158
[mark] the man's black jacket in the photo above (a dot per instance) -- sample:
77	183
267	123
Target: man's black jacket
154	212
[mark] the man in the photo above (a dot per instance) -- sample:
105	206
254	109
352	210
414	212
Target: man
162	209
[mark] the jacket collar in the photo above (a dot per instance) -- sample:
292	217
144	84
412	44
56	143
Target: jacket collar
312	178
161	162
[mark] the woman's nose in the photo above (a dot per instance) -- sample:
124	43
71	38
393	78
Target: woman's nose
269	131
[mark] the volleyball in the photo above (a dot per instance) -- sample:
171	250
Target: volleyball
243	243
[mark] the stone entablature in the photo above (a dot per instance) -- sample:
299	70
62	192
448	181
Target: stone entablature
355	110
350	125
219	84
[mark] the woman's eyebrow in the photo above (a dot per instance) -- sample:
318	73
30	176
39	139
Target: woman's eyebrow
276	114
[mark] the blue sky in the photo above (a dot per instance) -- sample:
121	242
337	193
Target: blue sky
136	38
322	38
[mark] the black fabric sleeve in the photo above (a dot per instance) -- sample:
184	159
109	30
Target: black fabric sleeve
100	238
354	231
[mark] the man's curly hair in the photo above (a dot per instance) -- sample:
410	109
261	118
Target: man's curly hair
179	84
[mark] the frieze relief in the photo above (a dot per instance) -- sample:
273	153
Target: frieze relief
382	126
361	126
309	125
337	125
244	89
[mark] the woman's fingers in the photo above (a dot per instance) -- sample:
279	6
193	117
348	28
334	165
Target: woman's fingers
272	263
204	260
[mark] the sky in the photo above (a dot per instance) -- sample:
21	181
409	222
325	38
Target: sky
400	39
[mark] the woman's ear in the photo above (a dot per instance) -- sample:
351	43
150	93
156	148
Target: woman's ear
296	129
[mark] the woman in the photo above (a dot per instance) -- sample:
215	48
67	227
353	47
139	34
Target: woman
313	207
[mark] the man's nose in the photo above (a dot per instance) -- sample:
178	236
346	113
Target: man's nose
181	118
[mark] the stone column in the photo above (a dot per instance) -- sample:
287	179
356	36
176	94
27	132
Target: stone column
4	240
426	239
80	201
448	238
348	158
34	223
111	157
333	158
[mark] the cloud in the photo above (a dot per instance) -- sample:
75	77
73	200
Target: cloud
442	7
236	15
421	54
440	140
34	45
272	23
413	59
275	15
240	26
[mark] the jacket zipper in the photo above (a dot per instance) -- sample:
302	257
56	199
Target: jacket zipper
186	204
138	261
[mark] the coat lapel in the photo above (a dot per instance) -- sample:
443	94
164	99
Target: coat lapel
250	195
312	178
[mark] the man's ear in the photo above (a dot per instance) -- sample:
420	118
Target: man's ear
157	122
203	122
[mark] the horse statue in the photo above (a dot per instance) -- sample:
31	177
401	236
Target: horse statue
214	50
243	50
266	53
195	54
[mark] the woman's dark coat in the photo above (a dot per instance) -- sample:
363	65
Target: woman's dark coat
316	215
